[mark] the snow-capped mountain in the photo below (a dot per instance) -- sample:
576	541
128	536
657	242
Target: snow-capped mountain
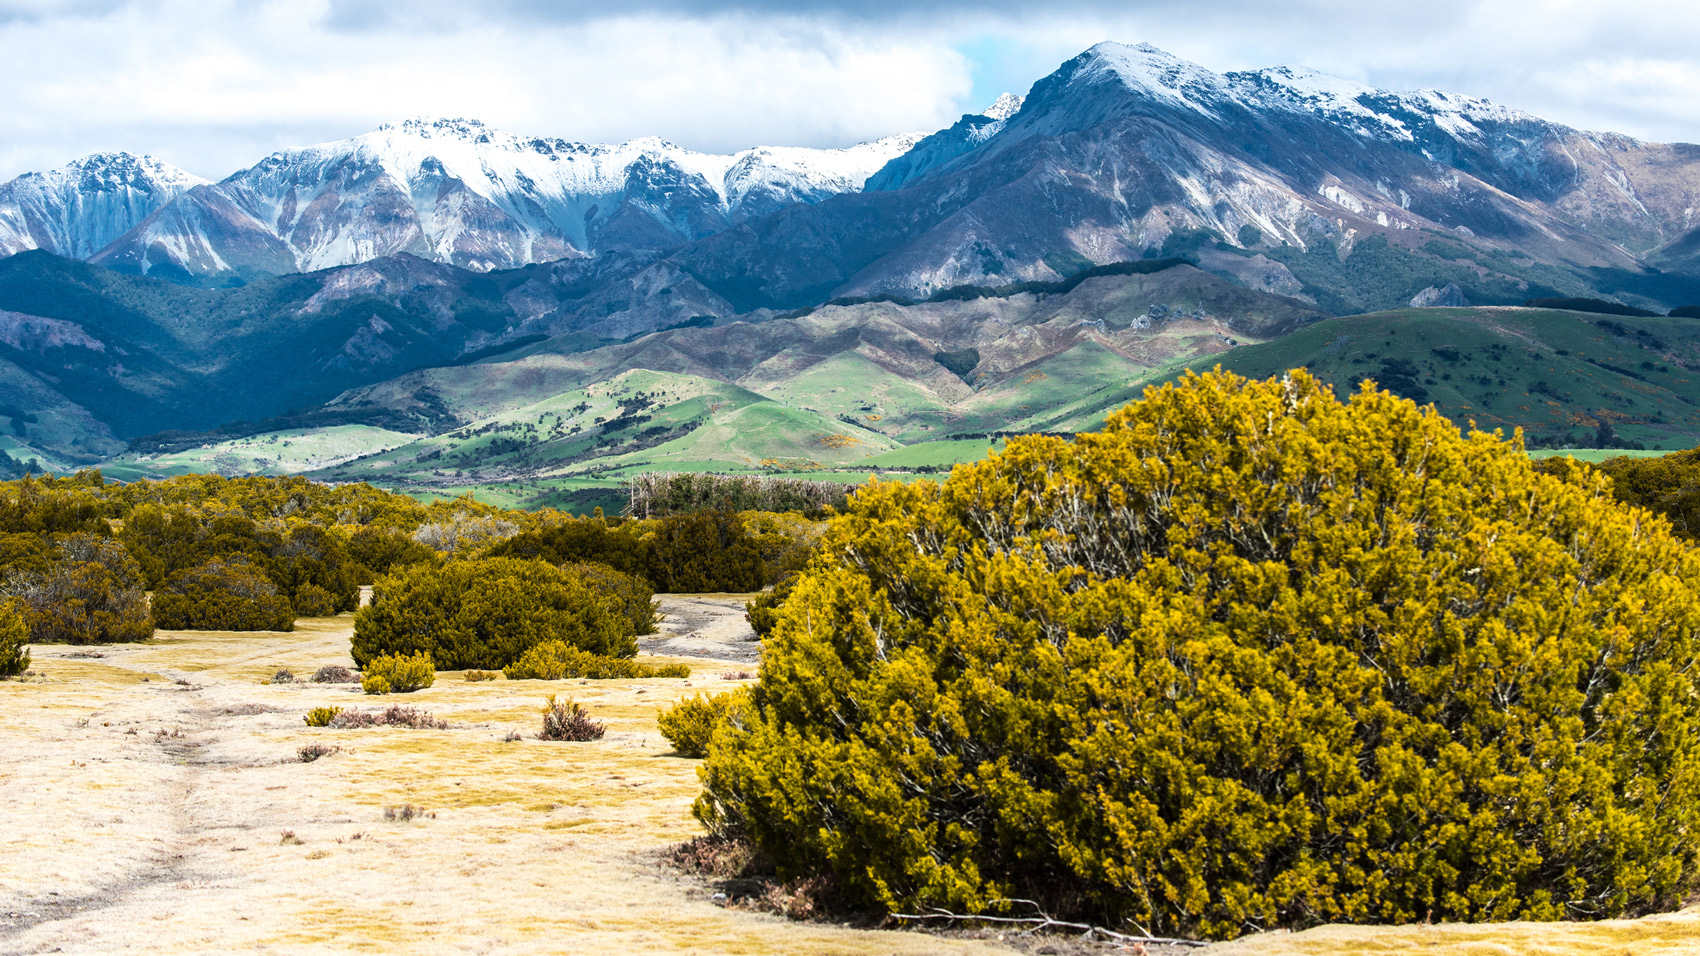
1127	151
81	207
456	191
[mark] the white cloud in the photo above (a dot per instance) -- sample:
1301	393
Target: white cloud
213	87
216	84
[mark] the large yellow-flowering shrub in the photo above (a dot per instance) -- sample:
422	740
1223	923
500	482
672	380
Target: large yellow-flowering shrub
1249	657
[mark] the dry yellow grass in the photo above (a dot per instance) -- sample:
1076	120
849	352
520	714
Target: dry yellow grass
141	814
148	816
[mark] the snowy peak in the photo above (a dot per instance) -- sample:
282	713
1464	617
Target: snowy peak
1002	108
77	209
1146	69
455	190
111	171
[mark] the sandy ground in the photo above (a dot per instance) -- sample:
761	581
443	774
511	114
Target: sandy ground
145	798
152	801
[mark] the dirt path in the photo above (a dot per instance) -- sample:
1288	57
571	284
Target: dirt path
152	801
704	625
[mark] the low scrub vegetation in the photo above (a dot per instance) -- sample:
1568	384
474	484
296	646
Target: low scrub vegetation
14	640
486	613
564	719
335	674
394	715
86	589
1344	665
659	494
398	674
312	752
225	594
689	724
557	660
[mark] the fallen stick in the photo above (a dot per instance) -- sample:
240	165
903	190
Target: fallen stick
1046	922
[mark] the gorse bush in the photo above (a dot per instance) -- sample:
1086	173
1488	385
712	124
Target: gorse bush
620	546
1668	485
396	674
763	612
486	613
321	716
225	594
689	724
556	660
14	639
1247	658
700	551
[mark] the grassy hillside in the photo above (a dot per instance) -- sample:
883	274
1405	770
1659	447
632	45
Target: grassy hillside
1558	375
573	446
287	452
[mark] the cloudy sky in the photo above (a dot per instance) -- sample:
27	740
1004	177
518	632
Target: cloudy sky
213	85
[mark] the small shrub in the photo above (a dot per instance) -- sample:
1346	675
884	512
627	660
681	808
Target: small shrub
322	716
737	675
224	594
398	675
566	720
313	601
312	752
481	675
289	838
555	660
689	724
513	735
14	640
283	676
335	674
393	716
406	812
718	857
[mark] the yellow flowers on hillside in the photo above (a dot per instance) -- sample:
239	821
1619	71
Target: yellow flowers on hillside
1249	657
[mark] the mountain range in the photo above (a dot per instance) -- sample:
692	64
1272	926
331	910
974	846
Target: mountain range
389	280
